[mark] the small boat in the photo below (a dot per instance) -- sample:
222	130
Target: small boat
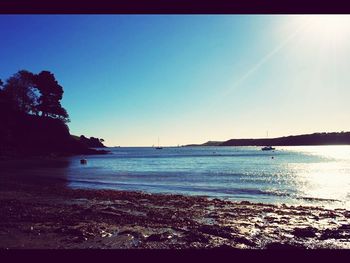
158	147
267	148
83	161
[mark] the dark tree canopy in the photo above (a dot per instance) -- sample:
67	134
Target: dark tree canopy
2	99
51	94
21	92
29	93
92	141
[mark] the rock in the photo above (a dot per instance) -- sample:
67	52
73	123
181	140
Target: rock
155	237
216	230
244	240
160	237
78	239
344	227
327	214
73	231
130	232
194	236
341	232
330	233
305	232
105	234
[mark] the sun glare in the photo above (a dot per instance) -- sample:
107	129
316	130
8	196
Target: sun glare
327	28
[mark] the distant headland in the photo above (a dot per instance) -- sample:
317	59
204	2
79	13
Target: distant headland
324	138
33	121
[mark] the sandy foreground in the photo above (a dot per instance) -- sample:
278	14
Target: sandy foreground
54	216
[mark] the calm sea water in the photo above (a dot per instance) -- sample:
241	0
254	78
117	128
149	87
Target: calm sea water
309	175
318	175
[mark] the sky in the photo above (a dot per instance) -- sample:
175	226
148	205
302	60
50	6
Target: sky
131	79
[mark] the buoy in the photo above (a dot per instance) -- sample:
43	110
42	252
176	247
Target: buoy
83	161
272	157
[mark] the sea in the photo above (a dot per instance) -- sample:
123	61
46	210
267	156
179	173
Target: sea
294	175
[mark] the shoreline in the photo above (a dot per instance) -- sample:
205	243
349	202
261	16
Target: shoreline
54	216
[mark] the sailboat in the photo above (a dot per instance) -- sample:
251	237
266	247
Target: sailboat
158	147
267	148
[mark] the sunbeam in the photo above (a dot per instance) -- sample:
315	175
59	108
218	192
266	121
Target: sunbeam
237	82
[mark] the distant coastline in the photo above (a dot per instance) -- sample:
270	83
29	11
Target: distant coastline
330	138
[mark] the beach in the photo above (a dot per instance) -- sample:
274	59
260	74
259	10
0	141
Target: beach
49	215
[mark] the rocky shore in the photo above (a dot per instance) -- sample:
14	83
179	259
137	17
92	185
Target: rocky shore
54	216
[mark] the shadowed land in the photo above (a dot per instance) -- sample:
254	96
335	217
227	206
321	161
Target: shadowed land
33	121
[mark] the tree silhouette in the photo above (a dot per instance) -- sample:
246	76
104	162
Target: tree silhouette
21	92
2	98
51	94
33	121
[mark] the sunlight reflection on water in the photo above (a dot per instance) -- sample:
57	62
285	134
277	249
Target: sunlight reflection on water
329	179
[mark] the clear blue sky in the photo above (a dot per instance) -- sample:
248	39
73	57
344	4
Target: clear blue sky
191	78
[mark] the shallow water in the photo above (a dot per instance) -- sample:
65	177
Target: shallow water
308	175
313	175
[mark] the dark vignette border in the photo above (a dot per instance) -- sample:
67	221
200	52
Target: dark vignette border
174	7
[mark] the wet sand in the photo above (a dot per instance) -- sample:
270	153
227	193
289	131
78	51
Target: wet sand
51	215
